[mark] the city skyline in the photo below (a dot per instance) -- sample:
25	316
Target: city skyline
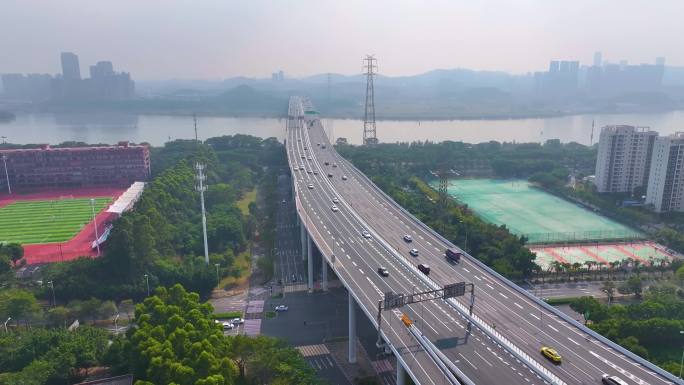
215	40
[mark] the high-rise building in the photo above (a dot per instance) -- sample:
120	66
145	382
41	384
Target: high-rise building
624	158
598	58
666	181
70	67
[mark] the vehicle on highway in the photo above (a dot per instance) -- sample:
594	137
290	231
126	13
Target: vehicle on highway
309	158
318	144
323	146
301	167
237	321
383	272
315	172
335	200
281	308
551	354
334	208
334	164
310	186
425	269
612	380
303	157
344	177
305	148
309	172
326	163
413	252
330	175
407	238
365	234
453	255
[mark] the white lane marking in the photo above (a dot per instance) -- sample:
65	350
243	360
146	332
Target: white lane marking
503	295
573	341
471	364
466	270
553	328
490	286
535	316
354	263
476	277
621	370
517	304
361	271
483	359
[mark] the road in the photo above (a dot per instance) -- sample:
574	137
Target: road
357	260
522	320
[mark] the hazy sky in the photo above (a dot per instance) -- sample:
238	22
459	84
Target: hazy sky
161	39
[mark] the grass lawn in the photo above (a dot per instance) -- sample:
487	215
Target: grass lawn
45	221
243	204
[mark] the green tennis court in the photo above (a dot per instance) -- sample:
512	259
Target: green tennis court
541	217
44	221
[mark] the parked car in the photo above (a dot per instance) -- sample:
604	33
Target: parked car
237	321
383	272
228	325
281	308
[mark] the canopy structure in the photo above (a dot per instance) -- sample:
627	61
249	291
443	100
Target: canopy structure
126	200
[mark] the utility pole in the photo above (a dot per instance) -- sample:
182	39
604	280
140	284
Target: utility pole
369	133
4	160
97	237
202	187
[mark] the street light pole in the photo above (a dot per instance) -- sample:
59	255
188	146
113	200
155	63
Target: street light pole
97	237
52	286
217	274
147	281
9	318
681	363
4	160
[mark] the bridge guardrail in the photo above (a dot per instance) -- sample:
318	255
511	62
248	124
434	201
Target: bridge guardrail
565	317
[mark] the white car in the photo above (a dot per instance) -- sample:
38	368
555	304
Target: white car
228	325
414	252
310	186
334	164
281	308
344	177
315	172
334	209
365	234
309	158
335	200
237	321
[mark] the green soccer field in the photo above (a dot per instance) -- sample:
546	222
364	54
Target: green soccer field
540	216
45	221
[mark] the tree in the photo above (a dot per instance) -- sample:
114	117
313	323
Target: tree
608	287
13	250
18	304
632	286
58	316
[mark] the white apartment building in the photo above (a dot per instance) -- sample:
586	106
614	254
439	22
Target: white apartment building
624	158
666	182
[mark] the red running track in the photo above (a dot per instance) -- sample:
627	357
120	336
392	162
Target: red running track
78	246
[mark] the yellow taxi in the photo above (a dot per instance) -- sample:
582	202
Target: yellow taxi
551	354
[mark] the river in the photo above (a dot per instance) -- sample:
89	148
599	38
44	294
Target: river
157	129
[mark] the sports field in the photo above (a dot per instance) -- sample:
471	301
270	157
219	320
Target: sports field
645	252
541	217
45	221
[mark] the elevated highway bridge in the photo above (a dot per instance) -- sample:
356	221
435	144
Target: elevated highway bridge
498	344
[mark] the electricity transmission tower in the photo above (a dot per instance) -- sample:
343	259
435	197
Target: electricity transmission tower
369	135
201	187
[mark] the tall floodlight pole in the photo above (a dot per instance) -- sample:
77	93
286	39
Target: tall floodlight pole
97	237
369	135
202	187
4	160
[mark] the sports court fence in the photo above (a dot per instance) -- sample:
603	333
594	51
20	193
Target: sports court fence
583	236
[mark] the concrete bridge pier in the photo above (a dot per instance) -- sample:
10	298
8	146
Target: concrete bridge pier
324	274
309	258
303	237
352	329
401	374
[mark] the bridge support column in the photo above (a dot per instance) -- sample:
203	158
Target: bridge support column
309	258
352	329
324	273
303	236
401	374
